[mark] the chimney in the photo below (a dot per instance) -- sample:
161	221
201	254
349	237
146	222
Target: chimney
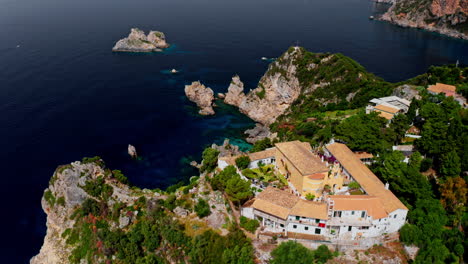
386	186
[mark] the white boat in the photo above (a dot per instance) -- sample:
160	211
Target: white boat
264	58
371	17
174	71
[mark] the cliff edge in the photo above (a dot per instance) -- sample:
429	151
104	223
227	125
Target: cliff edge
448	17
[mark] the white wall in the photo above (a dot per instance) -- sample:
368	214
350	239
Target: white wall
222	164
247	212
267	161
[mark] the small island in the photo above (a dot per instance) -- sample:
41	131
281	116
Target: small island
137	41
202	96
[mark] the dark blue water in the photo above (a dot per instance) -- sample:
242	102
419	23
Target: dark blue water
65	95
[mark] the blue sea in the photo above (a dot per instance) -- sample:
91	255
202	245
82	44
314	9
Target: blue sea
64	95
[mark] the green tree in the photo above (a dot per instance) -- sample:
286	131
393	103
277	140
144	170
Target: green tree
262	145
202	208
210	160
242	162
291	252
238	190
450	165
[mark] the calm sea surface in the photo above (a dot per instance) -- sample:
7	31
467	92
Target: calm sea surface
64	94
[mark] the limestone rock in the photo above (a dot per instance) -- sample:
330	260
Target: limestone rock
433	15
235	94
276	91
202	96
259	132
137	41
132	151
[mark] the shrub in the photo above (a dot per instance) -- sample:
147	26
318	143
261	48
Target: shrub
202	208
210	160
61	201
243	162
249	224
49	197
354	185
425	164
310	197
118	175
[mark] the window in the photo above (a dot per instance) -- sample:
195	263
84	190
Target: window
337	214
352	212
394	216
317	221
349	228
363	213
317	231
365	228
294	226
298	217
281	225
306	228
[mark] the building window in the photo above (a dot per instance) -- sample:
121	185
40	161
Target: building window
306	228
337	214
281	225
365	228
394	216
352	212
298	217
349	228
363	213
294	226
317	231
317	221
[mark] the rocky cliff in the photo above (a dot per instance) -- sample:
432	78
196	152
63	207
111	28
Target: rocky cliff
448	17
202	96
276	91
137	41
93	216
299	81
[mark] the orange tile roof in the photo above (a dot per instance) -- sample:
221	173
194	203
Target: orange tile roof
386	108
275	202
280	203
363	155
301	156
310	209
448	90
316	176
373	205
385	115
364	176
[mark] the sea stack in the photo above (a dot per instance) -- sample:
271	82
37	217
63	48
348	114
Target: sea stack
132	151
137	41
202	96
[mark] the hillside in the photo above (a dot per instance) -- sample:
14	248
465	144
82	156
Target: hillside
448	17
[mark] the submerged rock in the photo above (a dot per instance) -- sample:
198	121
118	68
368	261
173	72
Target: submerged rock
202	96
137	41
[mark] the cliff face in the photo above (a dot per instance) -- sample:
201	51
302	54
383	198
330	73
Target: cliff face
93	216
299	81
448	17
276	91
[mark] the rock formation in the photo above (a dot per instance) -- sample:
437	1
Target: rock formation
202	96
276	91
132	151
59	202
137	41
448	17
259	132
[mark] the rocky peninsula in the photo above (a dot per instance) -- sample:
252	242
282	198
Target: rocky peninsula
137	41
448	17
202	96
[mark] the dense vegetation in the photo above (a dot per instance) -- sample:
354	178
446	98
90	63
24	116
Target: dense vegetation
432	184
152	234
230	182
293	252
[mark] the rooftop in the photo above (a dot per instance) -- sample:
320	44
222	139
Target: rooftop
448	90
267	153
280	203
388	109
301	156
373	205
364	176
